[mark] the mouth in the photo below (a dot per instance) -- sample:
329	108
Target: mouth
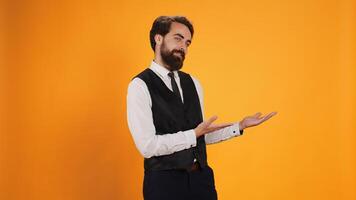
180	54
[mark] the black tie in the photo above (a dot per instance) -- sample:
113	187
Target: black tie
174	85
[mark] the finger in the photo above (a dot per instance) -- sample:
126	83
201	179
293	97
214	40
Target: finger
210	120
211	129
226	124
273	113
257	115
269	116
221	125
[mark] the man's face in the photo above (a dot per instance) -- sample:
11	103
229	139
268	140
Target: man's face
175	45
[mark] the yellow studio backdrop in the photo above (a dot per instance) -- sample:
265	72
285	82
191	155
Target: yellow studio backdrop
66	65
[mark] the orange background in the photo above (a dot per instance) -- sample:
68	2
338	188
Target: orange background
65	68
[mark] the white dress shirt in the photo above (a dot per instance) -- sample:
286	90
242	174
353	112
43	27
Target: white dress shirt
140	121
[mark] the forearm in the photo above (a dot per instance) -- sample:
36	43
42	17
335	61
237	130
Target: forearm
223	134
159	145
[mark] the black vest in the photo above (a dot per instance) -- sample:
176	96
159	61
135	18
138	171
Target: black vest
171	115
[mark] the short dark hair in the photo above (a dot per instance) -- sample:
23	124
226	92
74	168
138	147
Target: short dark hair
162	26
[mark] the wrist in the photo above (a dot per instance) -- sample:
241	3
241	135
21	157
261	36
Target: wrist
241	126
197	132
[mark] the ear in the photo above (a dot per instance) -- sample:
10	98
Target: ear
158	39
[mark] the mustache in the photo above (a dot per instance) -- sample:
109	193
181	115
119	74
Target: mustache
179	51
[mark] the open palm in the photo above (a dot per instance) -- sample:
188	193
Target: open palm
255	120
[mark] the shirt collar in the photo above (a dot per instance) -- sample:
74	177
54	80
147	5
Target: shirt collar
162	71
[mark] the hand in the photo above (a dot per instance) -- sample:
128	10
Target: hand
254	120
207	126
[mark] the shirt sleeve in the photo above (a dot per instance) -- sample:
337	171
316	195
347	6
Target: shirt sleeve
143	131
221	134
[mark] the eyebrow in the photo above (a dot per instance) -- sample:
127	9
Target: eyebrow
182	37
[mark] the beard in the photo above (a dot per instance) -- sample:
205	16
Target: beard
174	62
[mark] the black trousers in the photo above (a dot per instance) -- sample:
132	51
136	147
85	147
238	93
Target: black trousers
179	185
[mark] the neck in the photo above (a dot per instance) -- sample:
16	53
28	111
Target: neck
158	60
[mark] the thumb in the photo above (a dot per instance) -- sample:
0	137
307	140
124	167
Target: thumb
210	121
257	114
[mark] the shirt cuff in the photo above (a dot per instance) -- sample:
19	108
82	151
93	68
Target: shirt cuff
192	138
236	129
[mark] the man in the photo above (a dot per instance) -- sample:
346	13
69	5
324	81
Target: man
165	118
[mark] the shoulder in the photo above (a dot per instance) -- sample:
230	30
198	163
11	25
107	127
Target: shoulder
139	80
192	77
138	83
144	75
196	82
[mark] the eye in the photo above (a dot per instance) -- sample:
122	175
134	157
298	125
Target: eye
178	38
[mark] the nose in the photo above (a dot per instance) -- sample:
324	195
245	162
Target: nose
183	49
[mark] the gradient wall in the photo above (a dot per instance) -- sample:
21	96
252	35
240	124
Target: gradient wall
65	67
